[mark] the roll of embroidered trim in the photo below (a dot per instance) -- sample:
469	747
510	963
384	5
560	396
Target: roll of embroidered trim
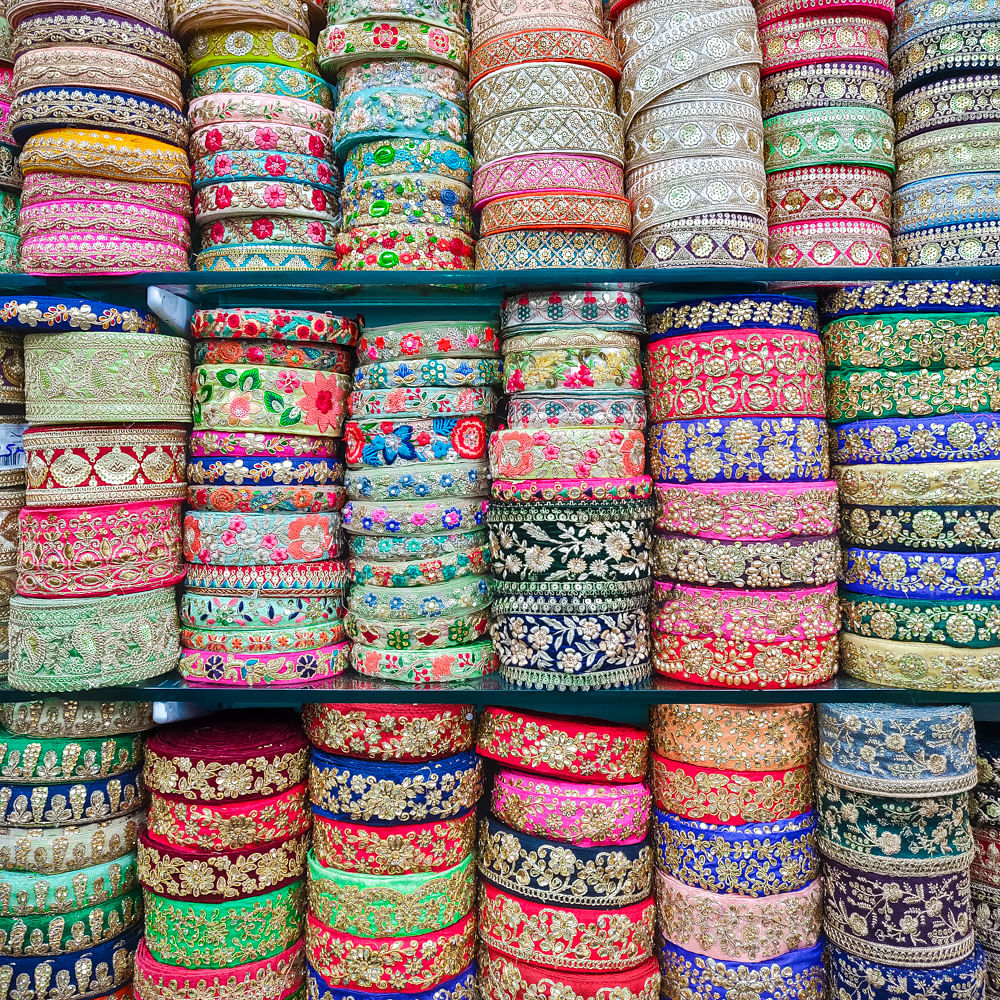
51	717
856	976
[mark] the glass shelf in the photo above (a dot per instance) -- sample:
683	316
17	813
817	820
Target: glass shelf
494	691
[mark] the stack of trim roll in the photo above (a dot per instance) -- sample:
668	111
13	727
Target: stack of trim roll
391	874
264	595
265	185
565	905
222	860
70	901
100	113
896	842
569	522
913	391
402	133
107	395
690	97
422	410
729	782
827	100
547	137
946	206
745	555
984	805
10	174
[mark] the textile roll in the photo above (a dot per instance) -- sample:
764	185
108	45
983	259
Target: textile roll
966	624
934	483
600	309
902	574
869	748
64	892
853	975
549	872
528	410
419	340
62	804
559	490
260	539
412	523
206	470
583	453
67	848
796	41
393	849
383	391
286	325
738	929
461	480
551	248
29	761
967	529
434	633
268	45
838	84
984	799
585	815
247	444
563	937
587	751
54	717
461	662
379	732
294	580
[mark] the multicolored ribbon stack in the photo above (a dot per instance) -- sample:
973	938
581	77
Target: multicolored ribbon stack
548	140
108	399
392	881
946	206
897	845
402	128
745	555
690	96
984	803
99	110
266	580
422	409
913	391
222	859
828	131
565	904
571	511
739	901
10	173
70	902
12	428
265	184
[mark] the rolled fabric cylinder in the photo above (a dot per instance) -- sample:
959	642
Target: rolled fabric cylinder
66	892
572	490
104	464
460	987
101	550
814	196
293	580
445	81
714	796
300	140
225	826
467	662
429	401
210	115
534	85
433	633
766	373
805	561
405	733
806	40
67	849
287	325
401	964
206	470
797	973
251	499
260	539
589	540
393	850
97	972
611	409
747	512
404	518
735	312
401	156
585	815
266	257
538	45
735	737
382	443
411	341
458	480
587	750
563	937
921	529
54	717
359	40
935	483
589	359
788	447
354	790
181	873
391	906
942	245
550	873
856	976
833	84
431	373
266	398
74	803
873	749
724	239
984	799
428	248
82	643
223	935
111	218
929	575
235	199
831	242
394	604
202	611
557	210
942	51
935	907
251	164
960	149
43	187
220	46
583	452
96	252
147	383
735	928
969	624
261	78
408	200
244	444
279	977
215	666
936	202
750	616
827	136
551	248
39	761
909	837
987	853
519	601
945	103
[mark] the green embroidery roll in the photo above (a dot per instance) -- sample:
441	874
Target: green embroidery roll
27	760
23	894
221	935
375	906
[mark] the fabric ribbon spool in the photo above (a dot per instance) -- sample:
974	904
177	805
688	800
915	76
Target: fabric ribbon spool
903	574
461	663
929	529
915	483
224	540
869	749
430	248
294	580
412	341
838	84
190	16
423	374
796	41
560	490
445	81
360	40
67	849
63	804
54	717
854	974
29	761
965	624
309	139
286	325
551	248
566	811
267	45
209	470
